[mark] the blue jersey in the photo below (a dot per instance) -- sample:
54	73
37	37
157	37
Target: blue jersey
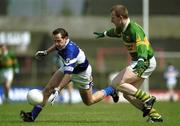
73	58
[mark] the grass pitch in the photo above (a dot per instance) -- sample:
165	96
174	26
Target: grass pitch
100	114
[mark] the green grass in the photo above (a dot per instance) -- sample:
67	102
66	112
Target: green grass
101	114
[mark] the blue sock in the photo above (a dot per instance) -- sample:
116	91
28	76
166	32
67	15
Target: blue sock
36	110
108	90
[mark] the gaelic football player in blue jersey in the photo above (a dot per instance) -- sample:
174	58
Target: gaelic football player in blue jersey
76	69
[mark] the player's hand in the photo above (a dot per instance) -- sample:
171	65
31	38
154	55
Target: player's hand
55	94
140	67
39	54
99	34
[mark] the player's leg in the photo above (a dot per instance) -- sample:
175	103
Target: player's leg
140	105
89	98
125	81
7	86
70	89
171	91
7	82
84	82
133	100
53	82
153	115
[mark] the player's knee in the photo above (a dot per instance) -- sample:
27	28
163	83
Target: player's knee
121	86
116	84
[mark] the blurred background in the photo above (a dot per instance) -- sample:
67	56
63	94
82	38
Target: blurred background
26	26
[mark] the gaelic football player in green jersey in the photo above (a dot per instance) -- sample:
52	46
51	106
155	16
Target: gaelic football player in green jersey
8	66
143	62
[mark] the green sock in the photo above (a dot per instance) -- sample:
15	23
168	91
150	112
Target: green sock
154	113
141	95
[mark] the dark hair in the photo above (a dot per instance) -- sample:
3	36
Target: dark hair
62	31
120	10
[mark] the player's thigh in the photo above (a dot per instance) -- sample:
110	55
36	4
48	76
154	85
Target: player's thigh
138	83
54	81
126	76
86	95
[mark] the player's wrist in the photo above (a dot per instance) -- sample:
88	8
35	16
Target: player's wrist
105	33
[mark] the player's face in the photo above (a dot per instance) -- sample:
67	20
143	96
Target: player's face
117	21
59	40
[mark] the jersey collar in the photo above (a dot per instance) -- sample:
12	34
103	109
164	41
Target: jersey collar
126	25
67	41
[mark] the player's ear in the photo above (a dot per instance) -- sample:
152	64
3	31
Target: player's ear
66	37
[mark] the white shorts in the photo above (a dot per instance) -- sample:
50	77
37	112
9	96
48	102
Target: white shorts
149	70
82	80
6	74
171	83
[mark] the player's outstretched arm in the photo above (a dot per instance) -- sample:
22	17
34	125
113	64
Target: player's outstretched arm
113	32
99	34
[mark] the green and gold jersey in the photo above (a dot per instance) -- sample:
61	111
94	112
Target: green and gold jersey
134	39
8	60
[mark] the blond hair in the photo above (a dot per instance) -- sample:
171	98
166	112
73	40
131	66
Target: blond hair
120	10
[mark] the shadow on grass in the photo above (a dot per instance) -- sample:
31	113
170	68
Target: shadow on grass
63	121
79	121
